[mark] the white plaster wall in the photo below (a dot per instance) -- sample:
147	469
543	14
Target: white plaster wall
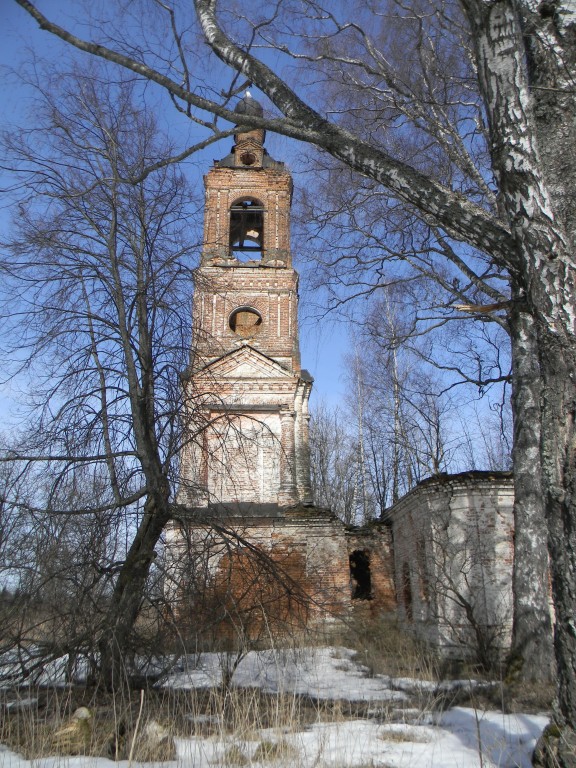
456	537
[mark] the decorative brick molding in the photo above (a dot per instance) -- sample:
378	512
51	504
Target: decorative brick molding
246	352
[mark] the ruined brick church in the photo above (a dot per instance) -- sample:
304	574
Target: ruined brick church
250	554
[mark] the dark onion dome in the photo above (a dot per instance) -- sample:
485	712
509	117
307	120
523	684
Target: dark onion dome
249	106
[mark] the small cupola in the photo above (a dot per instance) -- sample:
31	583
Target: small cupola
248	105
249	142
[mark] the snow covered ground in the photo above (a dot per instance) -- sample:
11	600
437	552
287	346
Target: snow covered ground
457	738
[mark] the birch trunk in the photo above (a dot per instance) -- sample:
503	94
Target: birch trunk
558	366
532	652
545	283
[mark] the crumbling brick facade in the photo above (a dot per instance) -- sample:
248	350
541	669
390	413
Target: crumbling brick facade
251	554
247	396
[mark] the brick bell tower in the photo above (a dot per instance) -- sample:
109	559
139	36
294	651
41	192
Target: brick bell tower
247	396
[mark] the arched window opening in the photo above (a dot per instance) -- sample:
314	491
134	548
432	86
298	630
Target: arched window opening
246	228
245	321
247	158
360	578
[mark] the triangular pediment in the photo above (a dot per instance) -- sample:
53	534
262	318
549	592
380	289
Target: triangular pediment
246	363
247	142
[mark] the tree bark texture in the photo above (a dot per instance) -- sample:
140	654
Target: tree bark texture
545	280
532	652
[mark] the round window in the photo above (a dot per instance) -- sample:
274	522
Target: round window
245	322
247	158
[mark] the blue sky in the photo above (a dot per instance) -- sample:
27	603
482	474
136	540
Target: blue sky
323	341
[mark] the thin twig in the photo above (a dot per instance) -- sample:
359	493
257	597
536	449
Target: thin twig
136	729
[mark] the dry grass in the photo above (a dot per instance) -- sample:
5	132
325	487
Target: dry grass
37	722
401	735
130	725
234	755
268	751
385	649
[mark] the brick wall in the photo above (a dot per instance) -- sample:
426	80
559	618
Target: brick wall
375	543
273	293
225	186
268	574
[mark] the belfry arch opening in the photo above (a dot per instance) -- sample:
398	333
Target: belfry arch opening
246	228
360	578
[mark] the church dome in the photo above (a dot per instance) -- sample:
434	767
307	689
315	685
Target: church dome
249	106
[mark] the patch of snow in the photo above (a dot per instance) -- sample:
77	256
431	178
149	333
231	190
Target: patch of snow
27	703
321	673
458	738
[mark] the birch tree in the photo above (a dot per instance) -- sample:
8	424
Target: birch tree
368	240
420	398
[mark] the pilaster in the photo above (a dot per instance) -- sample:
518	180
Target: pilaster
288	494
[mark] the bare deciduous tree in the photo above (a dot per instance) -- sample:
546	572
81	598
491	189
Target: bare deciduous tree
96	313
333	462
367	242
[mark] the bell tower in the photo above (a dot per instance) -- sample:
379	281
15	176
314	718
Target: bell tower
246	393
